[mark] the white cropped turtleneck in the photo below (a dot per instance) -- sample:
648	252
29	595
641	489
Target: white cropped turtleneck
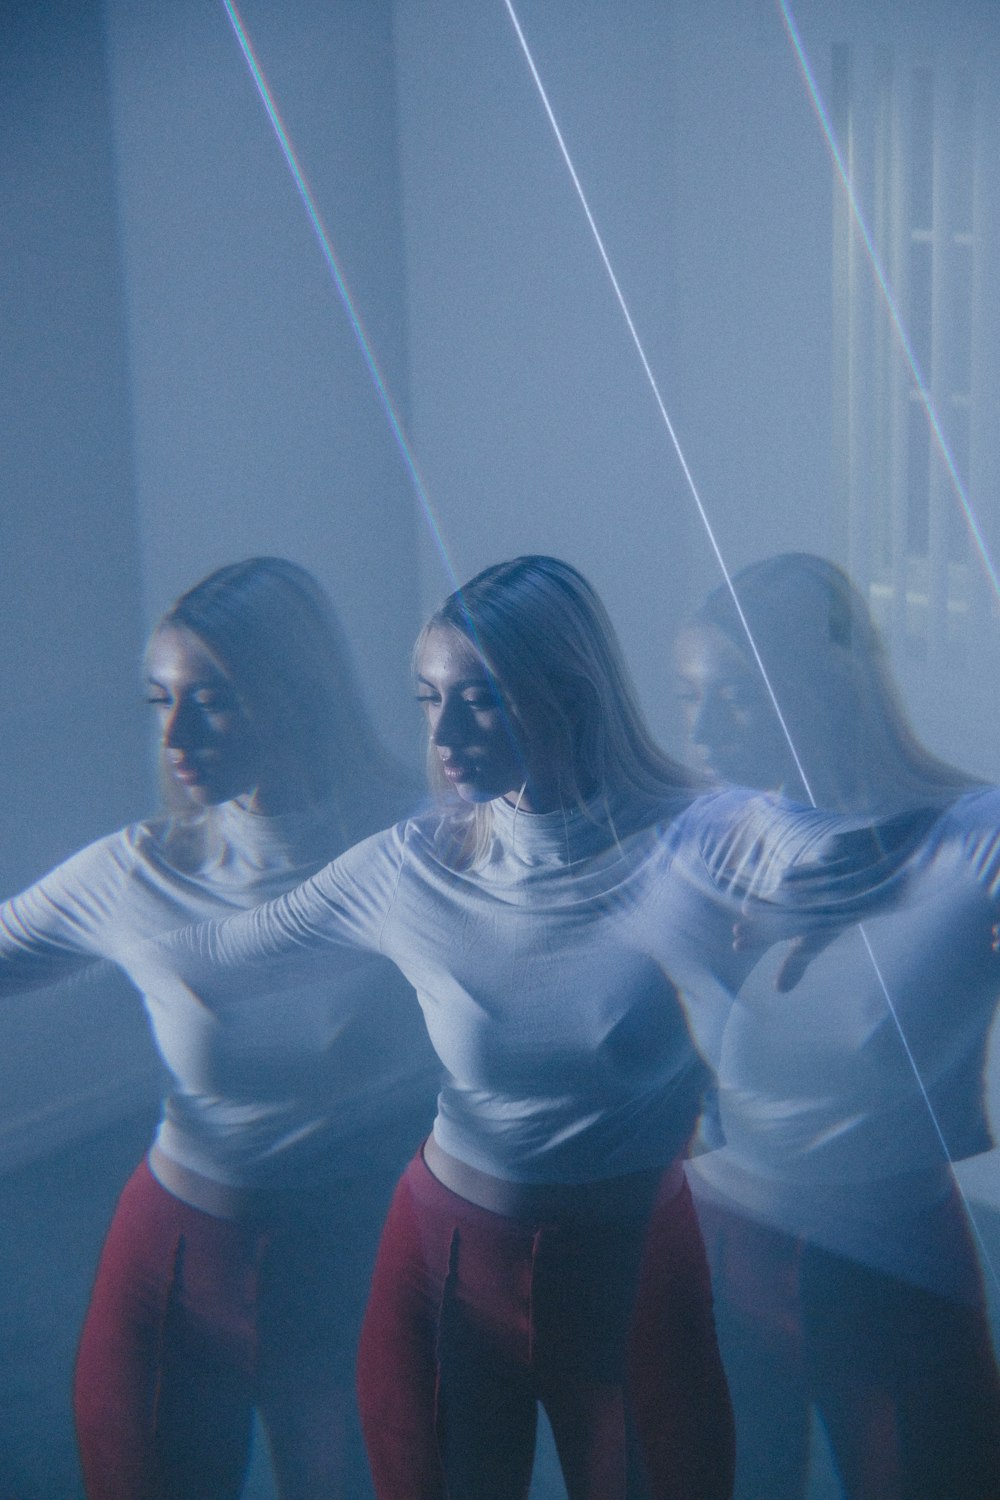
551	974
279	1094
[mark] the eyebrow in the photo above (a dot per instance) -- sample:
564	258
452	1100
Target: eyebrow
466	682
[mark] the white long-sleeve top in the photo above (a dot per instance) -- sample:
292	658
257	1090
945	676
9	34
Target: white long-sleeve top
842	1102
550	975
276	1095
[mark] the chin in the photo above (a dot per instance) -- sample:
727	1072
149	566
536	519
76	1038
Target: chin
732	773
204	794
475	794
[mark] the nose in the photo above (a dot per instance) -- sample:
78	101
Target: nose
449	729
181	727
709	722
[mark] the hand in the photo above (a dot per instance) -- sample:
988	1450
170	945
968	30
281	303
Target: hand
749	937
801	952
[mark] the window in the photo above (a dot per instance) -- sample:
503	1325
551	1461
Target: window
915	148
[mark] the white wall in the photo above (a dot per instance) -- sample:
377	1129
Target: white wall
73	729
696	141
183	389
257	428
535	425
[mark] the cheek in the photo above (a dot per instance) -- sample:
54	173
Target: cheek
688	709
238	746
508	748
748	724
765	728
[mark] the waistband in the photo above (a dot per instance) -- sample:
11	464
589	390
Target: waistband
606	1198
273	1205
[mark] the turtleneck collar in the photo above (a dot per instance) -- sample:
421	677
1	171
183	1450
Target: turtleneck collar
562	837
296	836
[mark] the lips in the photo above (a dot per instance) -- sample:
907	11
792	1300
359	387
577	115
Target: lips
457	770
190	773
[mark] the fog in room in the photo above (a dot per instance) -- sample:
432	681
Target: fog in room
186	387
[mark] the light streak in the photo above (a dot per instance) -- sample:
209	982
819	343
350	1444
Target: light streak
710	532
652	382
350	307
365	345
979	541
889	297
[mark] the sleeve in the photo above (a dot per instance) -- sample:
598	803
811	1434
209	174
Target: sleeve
346	904
975	820
60	925
773	858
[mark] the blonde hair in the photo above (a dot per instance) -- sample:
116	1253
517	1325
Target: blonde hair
273	630
551	649
828	666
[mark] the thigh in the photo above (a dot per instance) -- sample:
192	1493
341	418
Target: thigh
315	1275
583	1296
627	1359
444	1383
163	1386
906	1381
755	1282
677	1388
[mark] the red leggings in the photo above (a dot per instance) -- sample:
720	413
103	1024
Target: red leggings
905	1381
195	1321
474	1318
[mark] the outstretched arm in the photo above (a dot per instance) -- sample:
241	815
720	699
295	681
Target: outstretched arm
345	904
61	924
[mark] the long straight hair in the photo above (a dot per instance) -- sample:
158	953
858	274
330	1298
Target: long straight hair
273	630
829	668
561	679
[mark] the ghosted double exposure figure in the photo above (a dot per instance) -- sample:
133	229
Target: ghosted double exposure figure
235	1269
542	1246
845	1273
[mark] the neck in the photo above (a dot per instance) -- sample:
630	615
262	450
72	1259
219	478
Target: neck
273	800
533	799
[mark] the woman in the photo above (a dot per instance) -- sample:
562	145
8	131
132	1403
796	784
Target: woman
542	1246
236	1267
844	1269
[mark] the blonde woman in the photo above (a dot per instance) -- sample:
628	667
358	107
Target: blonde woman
237	1263
845	1270
542	1247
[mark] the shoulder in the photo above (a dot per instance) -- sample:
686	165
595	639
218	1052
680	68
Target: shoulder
369	871
976	810
971	826
729	811
106	859
77	895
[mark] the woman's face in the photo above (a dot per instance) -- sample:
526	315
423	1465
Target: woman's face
730	720
209	747
470	727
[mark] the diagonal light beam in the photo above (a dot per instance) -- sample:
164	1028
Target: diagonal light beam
710	532
652	382
361	337
368	353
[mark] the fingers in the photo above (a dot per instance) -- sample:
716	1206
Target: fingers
747	937
801	952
